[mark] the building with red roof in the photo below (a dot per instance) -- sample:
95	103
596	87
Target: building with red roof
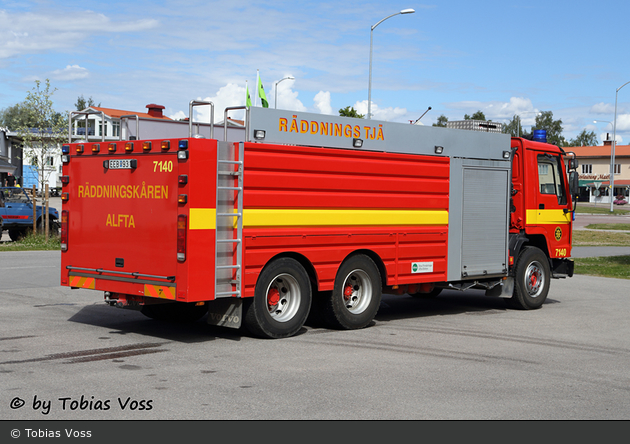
594	171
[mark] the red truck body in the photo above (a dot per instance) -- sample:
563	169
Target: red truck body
310	215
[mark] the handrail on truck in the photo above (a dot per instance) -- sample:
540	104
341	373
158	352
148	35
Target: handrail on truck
86	113
194	103
137	125
225	120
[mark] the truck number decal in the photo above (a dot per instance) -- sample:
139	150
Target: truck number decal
162	166
561	252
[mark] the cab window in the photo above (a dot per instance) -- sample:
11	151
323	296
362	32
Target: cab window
550	177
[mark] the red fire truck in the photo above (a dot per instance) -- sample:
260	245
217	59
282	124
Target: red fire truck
315	215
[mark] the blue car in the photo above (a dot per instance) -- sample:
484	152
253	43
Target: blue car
16	213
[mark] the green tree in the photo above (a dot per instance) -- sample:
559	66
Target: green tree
349	111
479	115
585	138
513	127
14	117
545	121
441	121
44	131
83	104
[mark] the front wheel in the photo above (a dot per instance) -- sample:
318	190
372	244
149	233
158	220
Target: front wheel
282	300
531	279
356	297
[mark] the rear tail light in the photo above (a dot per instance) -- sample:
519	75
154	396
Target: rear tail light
182	225
64	230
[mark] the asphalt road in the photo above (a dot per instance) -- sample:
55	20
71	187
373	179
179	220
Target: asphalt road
65	355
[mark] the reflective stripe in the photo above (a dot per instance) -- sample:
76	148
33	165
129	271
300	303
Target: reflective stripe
159	291
82	282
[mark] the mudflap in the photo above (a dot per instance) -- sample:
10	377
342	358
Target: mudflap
562	268
226	312
504	290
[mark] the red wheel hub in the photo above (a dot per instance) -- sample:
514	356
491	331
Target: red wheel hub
347	292
273	297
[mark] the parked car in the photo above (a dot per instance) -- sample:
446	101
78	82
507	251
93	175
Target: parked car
16	212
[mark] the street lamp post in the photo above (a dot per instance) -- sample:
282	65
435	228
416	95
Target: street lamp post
604	121
275	103
404	11
612	153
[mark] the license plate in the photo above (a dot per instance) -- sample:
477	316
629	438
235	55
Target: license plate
120	164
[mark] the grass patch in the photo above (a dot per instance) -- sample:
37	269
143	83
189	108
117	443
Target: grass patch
625	227
610	267
584	238
599	209
33	242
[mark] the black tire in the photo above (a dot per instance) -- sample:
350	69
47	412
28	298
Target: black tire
175	312
356	297
531	279
282	300
19	233
430	295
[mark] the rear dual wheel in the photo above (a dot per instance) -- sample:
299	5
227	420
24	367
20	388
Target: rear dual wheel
282	300
356	298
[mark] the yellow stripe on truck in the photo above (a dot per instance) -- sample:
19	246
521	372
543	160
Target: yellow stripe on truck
205	218
202	219
547	217
343	217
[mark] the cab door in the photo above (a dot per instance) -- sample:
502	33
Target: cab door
552	214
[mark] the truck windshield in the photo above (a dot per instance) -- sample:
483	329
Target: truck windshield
550	178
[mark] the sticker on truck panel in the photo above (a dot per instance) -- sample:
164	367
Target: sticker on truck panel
422	267
558	233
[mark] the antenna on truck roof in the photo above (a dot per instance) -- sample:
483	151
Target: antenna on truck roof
428	109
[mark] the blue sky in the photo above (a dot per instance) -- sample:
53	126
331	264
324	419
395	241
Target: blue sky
500	57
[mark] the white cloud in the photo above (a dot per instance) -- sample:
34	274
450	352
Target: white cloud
602	108
70	72
227	96
623	122
179	115
378	113
322	102
497	110
32	33
287	98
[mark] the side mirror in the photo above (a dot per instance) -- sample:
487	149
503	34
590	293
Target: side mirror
573	164
574	183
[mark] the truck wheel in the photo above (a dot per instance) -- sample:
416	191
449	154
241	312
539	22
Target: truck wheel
282	300
356	296
18	234
531	280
